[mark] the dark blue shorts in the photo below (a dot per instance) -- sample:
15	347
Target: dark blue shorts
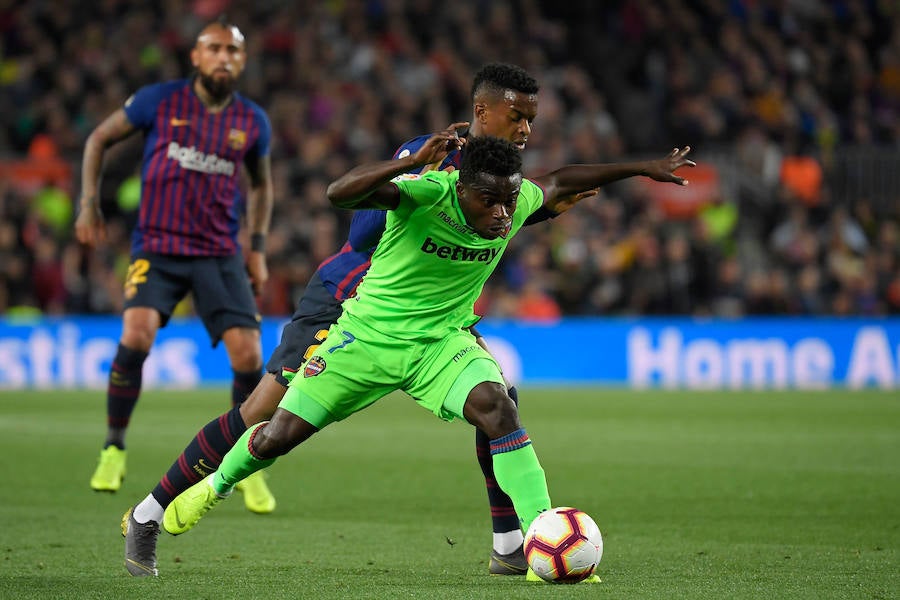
315	313
222	295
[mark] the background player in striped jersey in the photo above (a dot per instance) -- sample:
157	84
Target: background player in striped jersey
198	132
504	104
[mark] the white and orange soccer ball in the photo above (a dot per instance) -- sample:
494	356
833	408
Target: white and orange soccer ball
563	545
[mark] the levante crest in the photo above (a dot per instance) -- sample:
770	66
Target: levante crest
314	366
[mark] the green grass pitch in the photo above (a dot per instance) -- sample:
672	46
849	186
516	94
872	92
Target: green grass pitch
698	495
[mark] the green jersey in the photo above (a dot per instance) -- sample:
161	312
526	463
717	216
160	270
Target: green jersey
429	267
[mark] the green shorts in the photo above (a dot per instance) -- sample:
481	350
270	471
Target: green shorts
355	366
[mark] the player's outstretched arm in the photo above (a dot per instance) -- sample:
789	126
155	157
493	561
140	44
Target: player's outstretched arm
566	186
368	185
90	228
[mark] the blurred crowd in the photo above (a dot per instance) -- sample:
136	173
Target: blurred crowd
775	90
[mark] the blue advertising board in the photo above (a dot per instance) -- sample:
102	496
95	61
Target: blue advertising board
757	353
752	353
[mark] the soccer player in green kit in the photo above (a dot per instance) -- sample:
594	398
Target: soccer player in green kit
406	327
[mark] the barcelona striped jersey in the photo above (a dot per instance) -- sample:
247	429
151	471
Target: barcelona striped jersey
191	201
342	272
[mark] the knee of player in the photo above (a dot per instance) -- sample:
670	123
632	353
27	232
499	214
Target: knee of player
269	444
139	327
245	357
281	434
490	408
244	348
138	337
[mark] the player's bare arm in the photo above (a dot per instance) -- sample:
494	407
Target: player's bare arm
368	186
563	203
569	182
90	228
260	199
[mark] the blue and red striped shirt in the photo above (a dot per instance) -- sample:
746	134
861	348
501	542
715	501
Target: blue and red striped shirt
342	272
191	200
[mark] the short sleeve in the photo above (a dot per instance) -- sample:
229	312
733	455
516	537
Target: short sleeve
423	189
366	229
531	197
141	107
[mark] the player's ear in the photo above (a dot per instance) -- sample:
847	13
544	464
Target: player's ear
481	111
195	57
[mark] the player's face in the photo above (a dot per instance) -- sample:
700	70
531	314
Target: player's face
489	203
509	117
219	58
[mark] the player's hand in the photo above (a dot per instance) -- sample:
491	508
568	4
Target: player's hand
439	145
257	270
664	168
564	203
90	226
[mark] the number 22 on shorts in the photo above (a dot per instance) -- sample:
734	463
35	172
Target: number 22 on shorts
137	274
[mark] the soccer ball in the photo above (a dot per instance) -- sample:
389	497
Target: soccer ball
563	545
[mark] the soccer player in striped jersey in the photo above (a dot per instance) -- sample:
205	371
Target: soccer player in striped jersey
197	134
504	104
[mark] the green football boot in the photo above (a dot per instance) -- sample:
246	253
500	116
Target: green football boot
189	507
110	470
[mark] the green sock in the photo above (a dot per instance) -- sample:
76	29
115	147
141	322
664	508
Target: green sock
519	473
238	463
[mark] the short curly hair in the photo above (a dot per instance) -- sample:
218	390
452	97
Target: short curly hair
488	154
494	78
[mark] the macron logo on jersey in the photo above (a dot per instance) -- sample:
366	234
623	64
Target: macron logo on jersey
452	223
194	160
459	253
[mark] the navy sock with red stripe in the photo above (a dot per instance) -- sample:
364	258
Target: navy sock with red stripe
122	393
243	382
503	514
201	457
